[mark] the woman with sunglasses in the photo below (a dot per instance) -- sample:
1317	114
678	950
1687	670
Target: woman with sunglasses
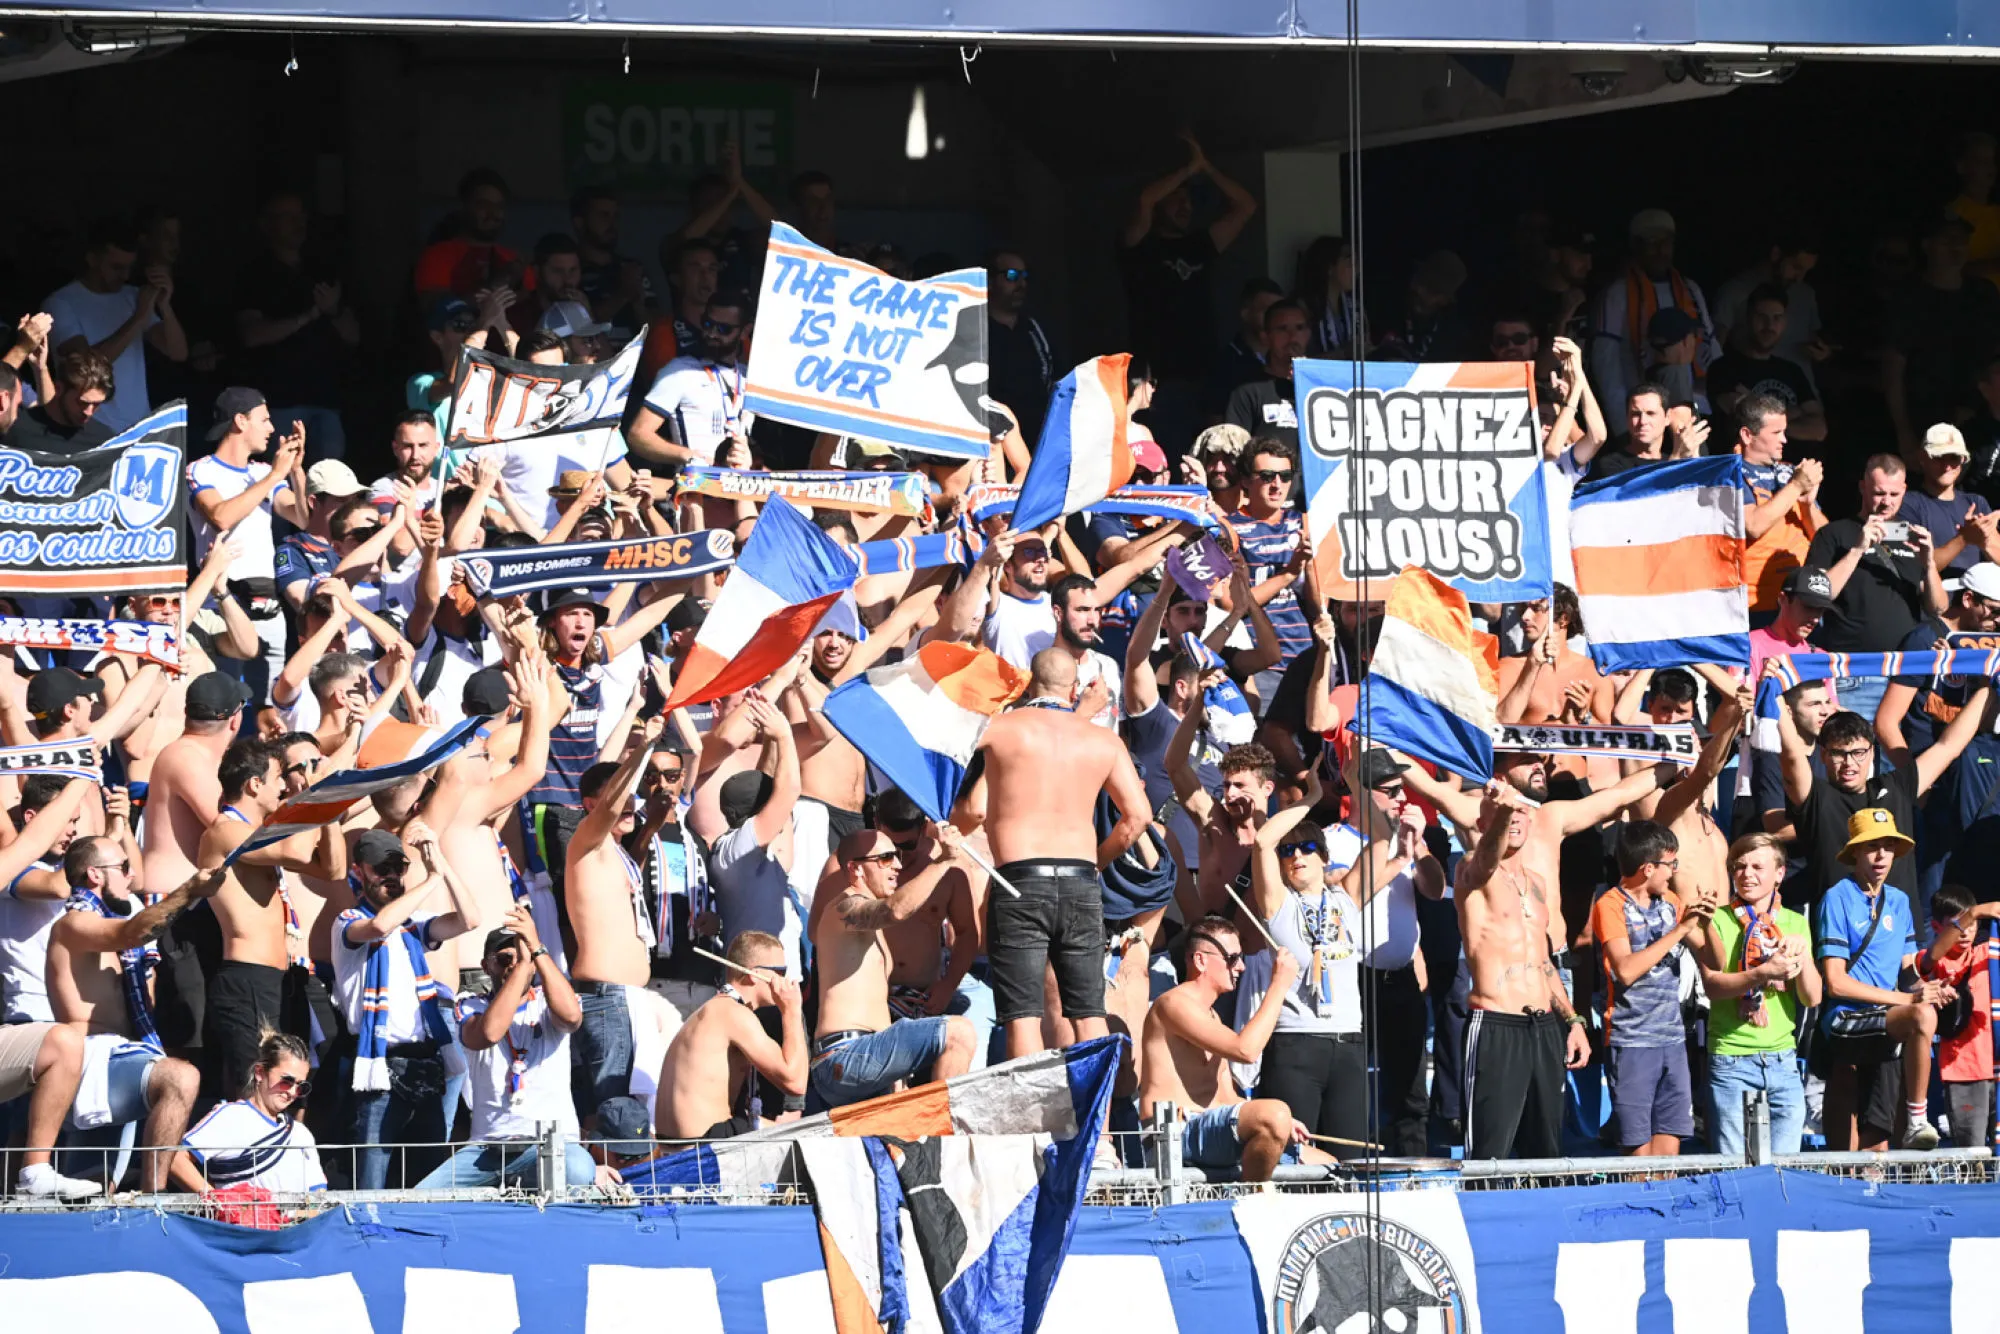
257	1140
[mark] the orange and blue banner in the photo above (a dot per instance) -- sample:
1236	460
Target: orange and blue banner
1432	688
1084	454
1659	565
1436	466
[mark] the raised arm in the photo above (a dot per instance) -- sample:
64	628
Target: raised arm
1188	790
600	822
1142	682
1937	758
1267	881
776	730
89	933
1724	727
1141	220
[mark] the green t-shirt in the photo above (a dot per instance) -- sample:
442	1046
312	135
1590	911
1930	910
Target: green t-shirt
1729	1034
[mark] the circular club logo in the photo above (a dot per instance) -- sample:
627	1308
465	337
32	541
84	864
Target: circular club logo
1342	1266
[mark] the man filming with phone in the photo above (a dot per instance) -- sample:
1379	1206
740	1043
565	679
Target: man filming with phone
1884	579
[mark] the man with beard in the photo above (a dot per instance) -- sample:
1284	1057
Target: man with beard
832	773
414	447
1021	621
97	984
617	287
1073	598
674	861
700	392
394	1006
1515	1044
471	260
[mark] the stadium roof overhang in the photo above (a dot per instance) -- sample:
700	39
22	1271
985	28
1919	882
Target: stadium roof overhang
1724	31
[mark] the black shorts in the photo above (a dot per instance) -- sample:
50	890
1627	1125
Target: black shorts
840	822
1058	920
1514	1084
242	1001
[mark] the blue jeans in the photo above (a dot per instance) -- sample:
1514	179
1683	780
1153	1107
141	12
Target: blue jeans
1775	1072
1209	1139
326	438
409	1112
511	1163
865	1067
1862	695
600	1051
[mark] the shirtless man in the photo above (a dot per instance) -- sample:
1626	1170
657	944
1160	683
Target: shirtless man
248	993
182	796
860	1050
606	905
1515	1049
707	1086
1228	822
90	948
1703	874
831	771
1187	1056
1044	768
1553	676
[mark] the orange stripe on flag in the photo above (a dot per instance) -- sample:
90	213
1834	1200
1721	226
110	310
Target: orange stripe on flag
1427	603
1694	564
907	1115
852	1311
1492	375
390	743
1111	374
975	679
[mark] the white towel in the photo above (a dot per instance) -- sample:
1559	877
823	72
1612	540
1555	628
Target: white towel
92	1107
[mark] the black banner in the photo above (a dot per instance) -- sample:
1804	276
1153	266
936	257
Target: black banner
596	564
496	398
108	520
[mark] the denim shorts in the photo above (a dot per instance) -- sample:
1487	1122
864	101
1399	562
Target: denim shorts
865	1067
131	1066
1058	920
601	1049
1650	1093
1208	1139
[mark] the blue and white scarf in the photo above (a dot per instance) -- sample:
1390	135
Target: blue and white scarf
371	1056
1229	718
135	964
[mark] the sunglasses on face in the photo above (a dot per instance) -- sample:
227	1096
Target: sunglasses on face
1031	553
666	777
1230	959
1512	339
1301	848
362	534
1014	275
720	326
156	602
124	867
1274	475
879	858
774	969
291	1084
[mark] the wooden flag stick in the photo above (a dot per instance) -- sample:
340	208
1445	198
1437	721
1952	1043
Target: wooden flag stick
710	954
1344	1143
997	878
1255	920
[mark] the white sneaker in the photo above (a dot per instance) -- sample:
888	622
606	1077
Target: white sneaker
39	1180
1920	1134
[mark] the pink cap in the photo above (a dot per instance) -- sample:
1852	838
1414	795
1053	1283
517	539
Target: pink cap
1148	455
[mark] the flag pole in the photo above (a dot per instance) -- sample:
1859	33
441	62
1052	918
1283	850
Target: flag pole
1255	920
987	867
709	954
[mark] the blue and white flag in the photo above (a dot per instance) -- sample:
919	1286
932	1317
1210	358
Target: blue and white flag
1432	685
1229	718
1084	454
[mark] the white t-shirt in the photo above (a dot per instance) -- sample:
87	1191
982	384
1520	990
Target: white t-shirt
753	892
95	316
24	951
542	1049
1392	935
1095	666
528	469
258	558
237	1145
1019	628
350	965
1559	481
705	400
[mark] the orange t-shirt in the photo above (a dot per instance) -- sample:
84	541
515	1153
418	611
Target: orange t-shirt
1967	1055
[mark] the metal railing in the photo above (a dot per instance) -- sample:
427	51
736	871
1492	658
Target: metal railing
1116	1179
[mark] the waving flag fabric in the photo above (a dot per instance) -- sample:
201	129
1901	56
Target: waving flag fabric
1230	721
1190	504
391	752
922	1225
1433	684
1083	455
920	720
788	575
1659	565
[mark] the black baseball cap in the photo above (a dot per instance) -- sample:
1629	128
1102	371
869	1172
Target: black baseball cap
233	402
51	689
1811	587
1669	325
378	849
625	1128
500	938
213	696
558	598
486	693
743	795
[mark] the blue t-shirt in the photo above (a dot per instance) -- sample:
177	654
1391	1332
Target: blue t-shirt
1114	625
1840	925
1268	548
303	556
1761	481
1943	518
1147	736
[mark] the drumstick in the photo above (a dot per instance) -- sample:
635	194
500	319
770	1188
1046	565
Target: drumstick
1345	1143
1255	920
747	972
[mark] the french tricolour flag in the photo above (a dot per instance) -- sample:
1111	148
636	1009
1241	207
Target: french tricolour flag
1433	685
789	574
1659	565
920	720
1083	455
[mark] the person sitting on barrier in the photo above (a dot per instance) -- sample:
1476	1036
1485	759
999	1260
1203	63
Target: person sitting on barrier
1867	936
1756	967
1188	1051
859	1051
256	1141
707	1089
516	1041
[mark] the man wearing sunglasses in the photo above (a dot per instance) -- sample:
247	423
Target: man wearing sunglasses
97	983
708	1084
1188	1051
860	1050
695	407
1269	532
1020	360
